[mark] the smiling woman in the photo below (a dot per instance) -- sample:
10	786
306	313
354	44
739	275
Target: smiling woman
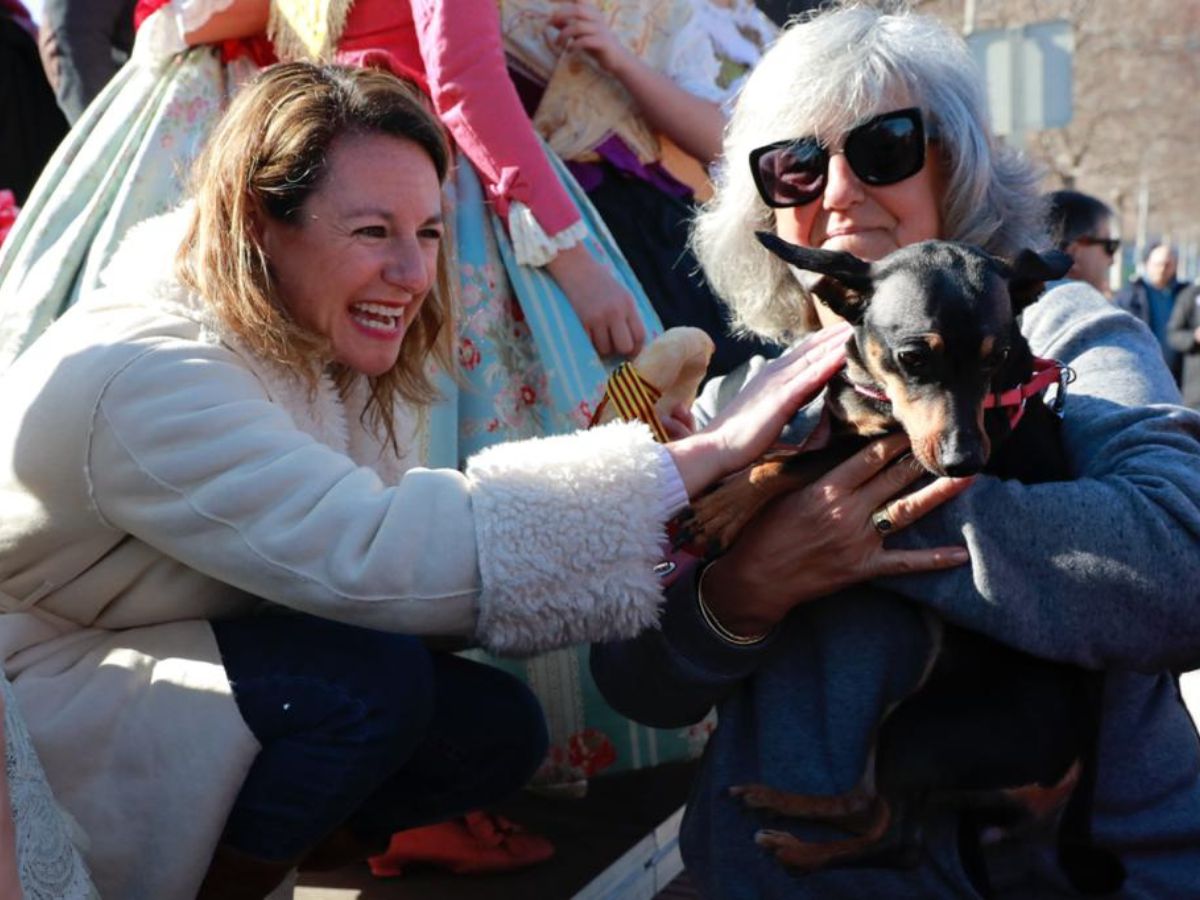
356	261
220	547
338	259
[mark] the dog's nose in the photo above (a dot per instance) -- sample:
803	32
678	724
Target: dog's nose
961	469
958	458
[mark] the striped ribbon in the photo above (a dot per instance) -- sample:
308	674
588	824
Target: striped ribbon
633	398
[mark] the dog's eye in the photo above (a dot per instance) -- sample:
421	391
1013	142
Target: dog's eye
998	358
913	360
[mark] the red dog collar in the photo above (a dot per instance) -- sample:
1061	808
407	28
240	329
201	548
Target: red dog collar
1045	373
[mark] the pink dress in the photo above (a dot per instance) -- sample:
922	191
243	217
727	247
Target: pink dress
460	58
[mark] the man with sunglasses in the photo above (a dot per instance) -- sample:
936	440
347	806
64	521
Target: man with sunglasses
863	131
1081	226
1151	297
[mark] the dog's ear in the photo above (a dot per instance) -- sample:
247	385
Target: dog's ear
1029	272
846	284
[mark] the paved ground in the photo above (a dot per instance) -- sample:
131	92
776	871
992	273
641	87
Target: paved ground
589	835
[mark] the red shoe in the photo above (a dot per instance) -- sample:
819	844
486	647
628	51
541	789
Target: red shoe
471	844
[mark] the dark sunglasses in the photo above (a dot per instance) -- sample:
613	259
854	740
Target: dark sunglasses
881	151
1110	245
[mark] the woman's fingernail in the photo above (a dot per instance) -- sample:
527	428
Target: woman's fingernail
958	555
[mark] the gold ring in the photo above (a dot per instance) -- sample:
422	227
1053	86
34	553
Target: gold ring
883	524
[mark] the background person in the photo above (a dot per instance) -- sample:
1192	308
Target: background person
32	124
1151	298
795	635
1081	226
83	43
631	94
1183	333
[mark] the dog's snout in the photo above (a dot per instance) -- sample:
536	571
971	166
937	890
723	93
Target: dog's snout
961	468
959	458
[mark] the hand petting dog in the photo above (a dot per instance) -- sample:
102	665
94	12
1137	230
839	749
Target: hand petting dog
767	572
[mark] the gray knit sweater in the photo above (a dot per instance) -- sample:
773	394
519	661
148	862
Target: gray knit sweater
1102	571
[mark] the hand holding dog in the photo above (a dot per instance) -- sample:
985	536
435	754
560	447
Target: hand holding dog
748	426
821	539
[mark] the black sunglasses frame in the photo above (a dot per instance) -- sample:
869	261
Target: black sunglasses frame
821	156
1110	245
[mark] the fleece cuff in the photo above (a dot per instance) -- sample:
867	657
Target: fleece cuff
569	529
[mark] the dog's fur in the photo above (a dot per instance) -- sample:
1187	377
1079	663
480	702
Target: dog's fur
936	329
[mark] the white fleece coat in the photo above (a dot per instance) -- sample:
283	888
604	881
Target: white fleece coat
154	474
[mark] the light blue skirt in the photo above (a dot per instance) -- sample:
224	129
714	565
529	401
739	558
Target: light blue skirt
526	365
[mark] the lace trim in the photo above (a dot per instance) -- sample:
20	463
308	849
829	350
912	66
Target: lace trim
164	32
531	244
159	38
49	865
194	13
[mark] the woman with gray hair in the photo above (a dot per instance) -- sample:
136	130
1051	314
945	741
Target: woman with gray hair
856	64
865	132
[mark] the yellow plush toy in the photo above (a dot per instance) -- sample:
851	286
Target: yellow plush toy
666	374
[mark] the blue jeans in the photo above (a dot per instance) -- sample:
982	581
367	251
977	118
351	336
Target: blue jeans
366	729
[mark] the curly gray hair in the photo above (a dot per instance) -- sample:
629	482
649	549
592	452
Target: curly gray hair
823	76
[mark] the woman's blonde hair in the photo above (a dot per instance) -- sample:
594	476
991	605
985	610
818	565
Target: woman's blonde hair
266	156
823	76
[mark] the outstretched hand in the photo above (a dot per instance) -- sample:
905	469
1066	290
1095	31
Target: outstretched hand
749	425
823	538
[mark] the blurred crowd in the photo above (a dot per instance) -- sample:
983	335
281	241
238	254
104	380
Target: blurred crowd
1083	227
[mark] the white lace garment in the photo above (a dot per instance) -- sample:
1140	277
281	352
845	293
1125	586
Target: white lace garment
48	862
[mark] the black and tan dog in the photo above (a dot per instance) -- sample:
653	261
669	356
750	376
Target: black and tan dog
1007	739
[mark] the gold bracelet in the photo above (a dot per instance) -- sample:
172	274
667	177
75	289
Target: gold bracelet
713	623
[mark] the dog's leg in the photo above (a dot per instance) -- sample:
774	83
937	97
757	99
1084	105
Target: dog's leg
714	520
809	856
853	811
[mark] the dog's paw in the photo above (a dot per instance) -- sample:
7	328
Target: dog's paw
717	518
772	839
797	855
757	796
802	856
